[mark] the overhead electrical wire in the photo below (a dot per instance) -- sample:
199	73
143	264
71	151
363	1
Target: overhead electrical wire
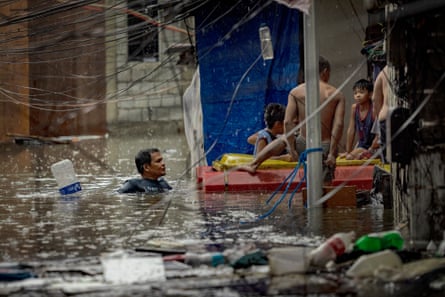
51	41
114	9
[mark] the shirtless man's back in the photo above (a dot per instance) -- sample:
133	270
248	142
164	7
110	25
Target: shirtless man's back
331	117
333	110
380	98
380	95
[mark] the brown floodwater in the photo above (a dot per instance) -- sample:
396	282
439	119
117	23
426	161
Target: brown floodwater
37	223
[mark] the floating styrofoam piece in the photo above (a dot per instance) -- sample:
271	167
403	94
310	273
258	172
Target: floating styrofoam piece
122	268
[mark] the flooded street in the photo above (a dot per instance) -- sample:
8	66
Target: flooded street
354	84
38	225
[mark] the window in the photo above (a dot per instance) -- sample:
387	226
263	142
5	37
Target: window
142	31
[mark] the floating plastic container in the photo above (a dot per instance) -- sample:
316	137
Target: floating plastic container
266	42
369	265
66	178
375	242
333	247
287	260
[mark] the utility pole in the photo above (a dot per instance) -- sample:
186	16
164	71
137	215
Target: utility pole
313	125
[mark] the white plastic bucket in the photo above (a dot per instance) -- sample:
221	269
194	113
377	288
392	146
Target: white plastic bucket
286	260
65	176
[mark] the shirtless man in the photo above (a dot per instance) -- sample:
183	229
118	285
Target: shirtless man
381	106
332	121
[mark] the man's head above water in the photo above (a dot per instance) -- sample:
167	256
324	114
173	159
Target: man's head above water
150	164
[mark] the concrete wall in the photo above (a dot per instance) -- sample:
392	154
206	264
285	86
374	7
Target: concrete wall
145	91
14	118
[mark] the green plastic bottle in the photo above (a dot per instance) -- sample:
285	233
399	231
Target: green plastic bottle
375	242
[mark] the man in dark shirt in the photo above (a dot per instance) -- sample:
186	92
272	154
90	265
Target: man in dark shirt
151	166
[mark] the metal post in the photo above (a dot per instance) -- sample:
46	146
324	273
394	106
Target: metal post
313	125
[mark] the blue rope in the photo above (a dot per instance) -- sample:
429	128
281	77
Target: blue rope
297	188
302	159
290	176
301	162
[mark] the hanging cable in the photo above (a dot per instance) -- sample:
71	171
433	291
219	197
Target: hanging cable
289	180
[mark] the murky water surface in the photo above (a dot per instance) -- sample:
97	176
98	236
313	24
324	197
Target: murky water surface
37	223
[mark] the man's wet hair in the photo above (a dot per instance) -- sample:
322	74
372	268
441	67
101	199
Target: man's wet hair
144	157
363	84
274	112
323	64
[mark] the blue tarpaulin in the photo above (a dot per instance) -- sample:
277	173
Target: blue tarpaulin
236	83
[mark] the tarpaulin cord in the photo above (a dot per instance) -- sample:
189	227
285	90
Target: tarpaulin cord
301	162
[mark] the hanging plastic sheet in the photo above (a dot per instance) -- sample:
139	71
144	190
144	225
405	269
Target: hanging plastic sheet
193	121
236	83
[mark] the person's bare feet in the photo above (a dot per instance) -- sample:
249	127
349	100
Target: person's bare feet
248	168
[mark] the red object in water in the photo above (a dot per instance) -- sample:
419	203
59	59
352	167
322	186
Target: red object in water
177	257
210	180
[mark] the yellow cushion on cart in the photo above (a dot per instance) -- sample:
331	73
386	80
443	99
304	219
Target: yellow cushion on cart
232	160
344	162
